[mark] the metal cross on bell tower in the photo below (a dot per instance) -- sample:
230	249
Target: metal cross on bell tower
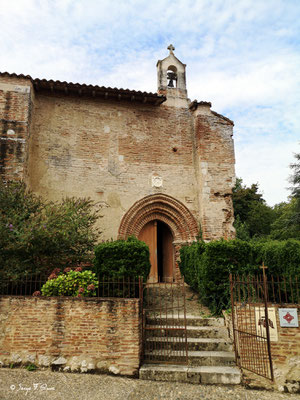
171	48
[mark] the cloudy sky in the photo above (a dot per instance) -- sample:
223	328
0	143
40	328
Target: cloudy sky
242	55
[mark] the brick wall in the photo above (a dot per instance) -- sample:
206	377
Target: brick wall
71	334
15	116
286	352
216	175
109	151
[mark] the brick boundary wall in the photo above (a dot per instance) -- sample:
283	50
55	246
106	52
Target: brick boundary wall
70	334
285	355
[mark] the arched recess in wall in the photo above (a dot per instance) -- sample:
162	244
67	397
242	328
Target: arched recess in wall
164	208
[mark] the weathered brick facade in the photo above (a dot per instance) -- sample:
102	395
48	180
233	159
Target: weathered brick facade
120	147
71	334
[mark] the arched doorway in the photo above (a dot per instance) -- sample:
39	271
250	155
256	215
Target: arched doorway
175	225
158	236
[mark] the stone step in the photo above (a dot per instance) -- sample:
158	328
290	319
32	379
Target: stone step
196	358
190	374
192	331
175	320
193	344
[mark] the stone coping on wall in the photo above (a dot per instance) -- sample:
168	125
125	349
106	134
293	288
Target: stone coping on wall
69	298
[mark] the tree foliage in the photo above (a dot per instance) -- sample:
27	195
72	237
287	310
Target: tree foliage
287	222
253	217
37	236
286	225
295	180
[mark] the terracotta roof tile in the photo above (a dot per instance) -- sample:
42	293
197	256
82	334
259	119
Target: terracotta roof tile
90	90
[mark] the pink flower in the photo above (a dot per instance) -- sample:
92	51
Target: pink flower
55	271
79	295
78	269
52	276
68	269
36	293
91	287
81	290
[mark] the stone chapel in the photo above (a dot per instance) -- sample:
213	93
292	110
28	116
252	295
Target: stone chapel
160	166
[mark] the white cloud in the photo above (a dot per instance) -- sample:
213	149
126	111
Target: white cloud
266	162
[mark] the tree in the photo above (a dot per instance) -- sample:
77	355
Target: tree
253	217
241	229
295	180
260	219
284	226
36	236
243	198
287	223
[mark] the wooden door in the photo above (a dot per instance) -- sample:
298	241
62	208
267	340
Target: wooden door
168	256
149	235
158	236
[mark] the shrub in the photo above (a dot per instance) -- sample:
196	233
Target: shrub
217	261
206	267
71	283
36	236
189	265
121	258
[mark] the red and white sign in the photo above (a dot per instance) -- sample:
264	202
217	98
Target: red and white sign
288	317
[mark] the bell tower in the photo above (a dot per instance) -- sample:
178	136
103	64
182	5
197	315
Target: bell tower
171	80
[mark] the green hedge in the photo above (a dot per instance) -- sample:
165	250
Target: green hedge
206	266
121	258
189	265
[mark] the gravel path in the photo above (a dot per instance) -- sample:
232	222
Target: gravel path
19	384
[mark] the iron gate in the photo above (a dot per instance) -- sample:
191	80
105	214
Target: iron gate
164	323
251	324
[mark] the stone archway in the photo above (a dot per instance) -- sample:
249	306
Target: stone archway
167	210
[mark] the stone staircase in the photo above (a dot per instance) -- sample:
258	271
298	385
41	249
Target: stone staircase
210	353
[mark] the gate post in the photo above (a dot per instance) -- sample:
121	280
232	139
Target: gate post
263	267
233	320
141	297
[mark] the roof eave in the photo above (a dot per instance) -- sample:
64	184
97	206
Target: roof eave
90	90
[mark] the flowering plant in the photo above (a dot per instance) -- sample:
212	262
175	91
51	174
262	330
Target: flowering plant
75	283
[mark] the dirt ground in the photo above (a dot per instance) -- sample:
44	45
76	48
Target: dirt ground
19	384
